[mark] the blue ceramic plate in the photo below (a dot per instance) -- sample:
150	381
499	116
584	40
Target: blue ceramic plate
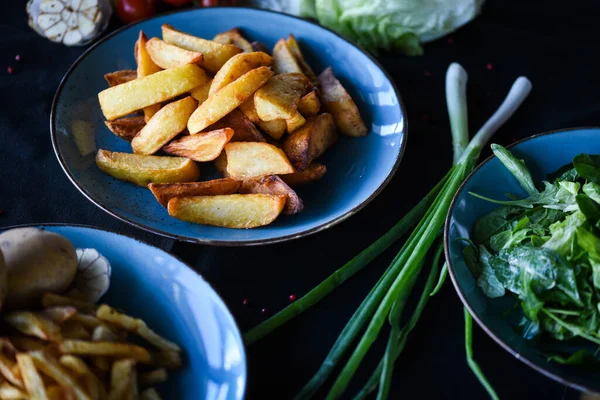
543	155
357	169
178	304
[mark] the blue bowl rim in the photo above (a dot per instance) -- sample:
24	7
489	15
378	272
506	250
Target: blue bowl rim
537	367
254	242
218	297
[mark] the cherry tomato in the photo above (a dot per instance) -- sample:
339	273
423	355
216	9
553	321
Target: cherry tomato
135	10
177	3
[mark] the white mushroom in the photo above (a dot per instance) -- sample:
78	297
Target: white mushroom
93	275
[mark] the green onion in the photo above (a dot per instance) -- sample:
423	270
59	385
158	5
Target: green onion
470	361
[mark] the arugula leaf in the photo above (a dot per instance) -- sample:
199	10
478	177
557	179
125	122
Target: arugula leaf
590	209
471	255
516	167
592	190
563	233
565	173
508	274
588	166
591	244
496	221
487	280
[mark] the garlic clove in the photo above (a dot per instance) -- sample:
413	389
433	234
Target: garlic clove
93	274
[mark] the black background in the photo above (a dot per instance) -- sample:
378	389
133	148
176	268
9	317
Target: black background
554	43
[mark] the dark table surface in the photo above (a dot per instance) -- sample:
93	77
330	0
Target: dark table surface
551	42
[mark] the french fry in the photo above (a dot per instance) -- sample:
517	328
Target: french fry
283	60
142	170
166	191
227	99
215	54
248	160
231	211
74	330
249	109
56	392
26	343
54	300
135	325
309	104
167	123
292	45
149	394
272	184
164	85
201	92
118	77
166	55
59	314
279	97
7	369
91	382
233	36
9	392
237	66
205	146
127	127
31	378
103	333
33	324
243	129
87	321
111	349
151	378
121	377
340	105
310	141
55	371
275	128
145	67
167	359
295	122
312	173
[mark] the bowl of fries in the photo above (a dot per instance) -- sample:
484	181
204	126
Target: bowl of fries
160	331
228	126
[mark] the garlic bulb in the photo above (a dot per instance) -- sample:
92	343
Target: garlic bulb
71	22
93	275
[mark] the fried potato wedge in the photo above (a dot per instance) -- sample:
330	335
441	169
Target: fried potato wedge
145	67
292	124
249	110
166	55
230	211
234	36
143	170
118	77
82	347
309	104
220	164
167	123
244	130
123	99
33	324
292	45
201	92
283	60
127	127
54	370
275	128
340	105
31	378
248	160
310	141
215	54
272	184
279	97
205	146
227	99
237	66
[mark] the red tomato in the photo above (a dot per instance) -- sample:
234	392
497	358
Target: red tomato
177	3
135	10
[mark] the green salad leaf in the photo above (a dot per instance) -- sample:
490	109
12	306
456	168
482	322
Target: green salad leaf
588	166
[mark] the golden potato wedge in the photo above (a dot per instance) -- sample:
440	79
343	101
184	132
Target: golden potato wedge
215	54
275	128
234	36
33	324
279	97
227	99
340	105
9	392
244	130
166	55
127	127
229	211
118	77
272	184
167	123
123	99
149	394
249	110
111	349
205	146
220	164
143	170
309	104
201	92
55	371
31	377
283	60
248	160
310	141
292	124
294	48
145	67
237	66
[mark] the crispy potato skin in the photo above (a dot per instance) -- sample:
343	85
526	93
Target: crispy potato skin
279	98
127	127
166	55
205	146
248	160
118	77
272	184
237	66
244	130
166	191
312	173
310	141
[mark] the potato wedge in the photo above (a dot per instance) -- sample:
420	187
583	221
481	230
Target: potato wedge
340	105
272	184
201	92
309	104
166	191
292	124
166	55
292	45
118	77
205	146
248	160
31	377
244	130
123	99
310	141
143	170
283	60
279	97
167	123
33	324
55	371
145	67
111	349
229	211
275	128
237	66
126	128
215	54
220	164
227	99
234	36
249	109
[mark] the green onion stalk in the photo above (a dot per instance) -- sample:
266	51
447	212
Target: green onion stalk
387	299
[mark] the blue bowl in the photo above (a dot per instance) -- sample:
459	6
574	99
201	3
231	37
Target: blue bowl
178	304
543	154
357	168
